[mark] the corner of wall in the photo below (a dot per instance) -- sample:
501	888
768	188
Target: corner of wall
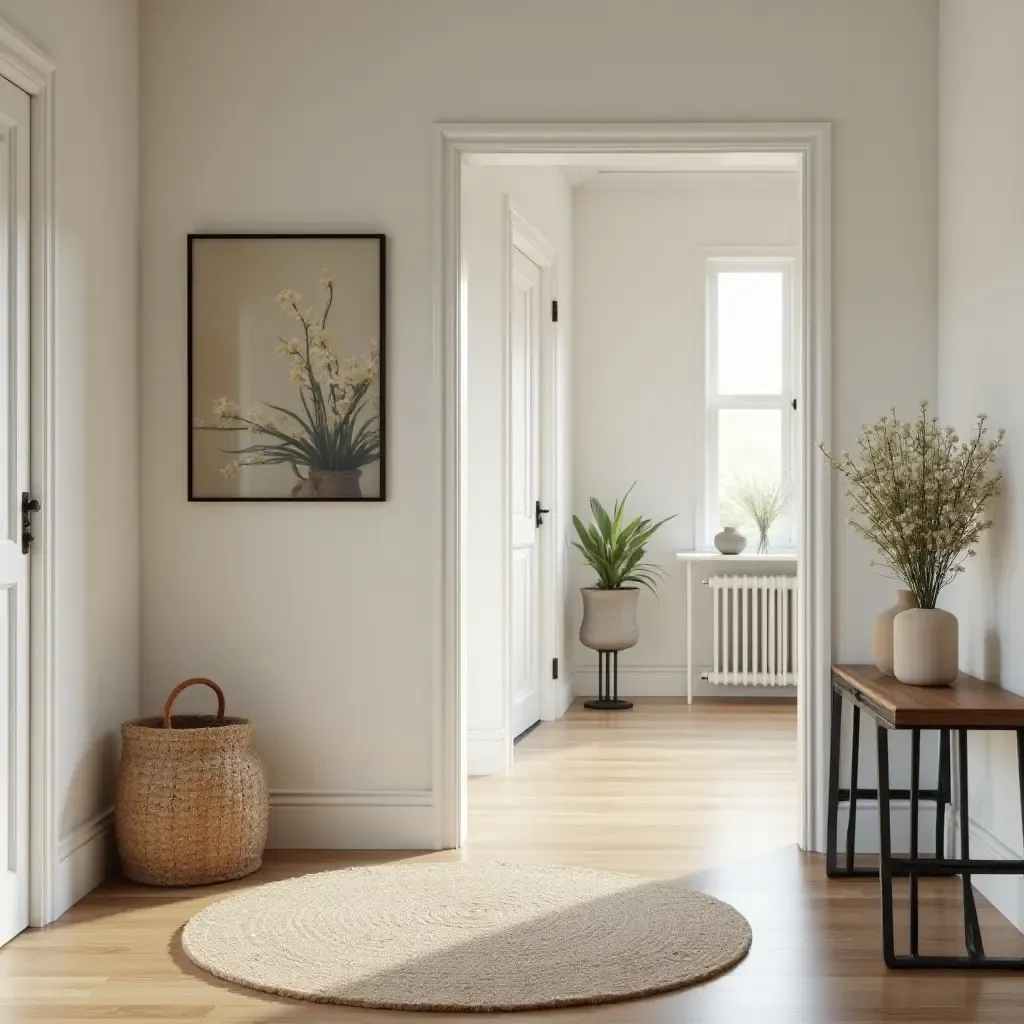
85	859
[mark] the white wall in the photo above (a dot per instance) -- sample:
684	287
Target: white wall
316	114
981	367
544	198
95	46
639	383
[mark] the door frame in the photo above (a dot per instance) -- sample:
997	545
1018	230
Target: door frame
33	71
522	235
811	141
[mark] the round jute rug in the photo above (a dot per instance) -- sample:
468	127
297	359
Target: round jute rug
467	936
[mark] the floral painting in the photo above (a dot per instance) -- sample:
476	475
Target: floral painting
286	367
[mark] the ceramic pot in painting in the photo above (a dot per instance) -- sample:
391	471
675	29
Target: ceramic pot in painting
609	619
925	647
883	630
329	483
730	541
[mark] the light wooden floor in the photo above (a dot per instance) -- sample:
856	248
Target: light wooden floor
706	792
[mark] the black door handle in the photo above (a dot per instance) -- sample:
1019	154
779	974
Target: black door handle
28	506
539	514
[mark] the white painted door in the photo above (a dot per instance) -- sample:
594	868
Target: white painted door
524	384
14	450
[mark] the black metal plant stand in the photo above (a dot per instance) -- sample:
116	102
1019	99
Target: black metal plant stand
608	684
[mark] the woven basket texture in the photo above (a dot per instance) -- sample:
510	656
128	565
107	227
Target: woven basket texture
191	805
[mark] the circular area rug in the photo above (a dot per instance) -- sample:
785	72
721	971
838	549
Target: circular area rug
467	936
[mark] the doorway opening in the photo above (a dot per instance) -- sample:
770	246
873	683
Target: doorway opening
542	239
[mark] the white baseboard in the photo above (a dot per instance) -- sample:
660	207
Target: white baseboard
487	752
867	838
562	690
352	820
1004	892
669	681
84	860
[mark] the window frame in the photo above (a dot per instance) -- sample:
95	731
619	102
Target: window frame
750	260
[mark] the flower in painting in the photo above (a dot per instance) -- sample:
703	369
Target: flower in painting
225	409
337	423
289	300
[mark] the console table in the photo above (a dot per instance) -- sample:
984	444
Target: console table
968	704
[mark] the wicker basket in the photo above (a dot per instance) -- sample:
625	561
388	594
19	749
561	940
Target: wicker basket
191	797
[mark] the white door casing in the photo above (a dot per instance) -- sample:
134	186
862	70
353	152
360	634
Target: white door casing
811	142
14	481
524	491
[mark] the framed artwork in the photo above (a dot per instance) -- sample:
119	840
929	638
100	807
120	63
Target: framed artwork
286	370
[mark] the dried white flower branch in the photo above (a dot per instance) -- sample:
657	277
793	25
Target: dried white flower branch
764	501
918	494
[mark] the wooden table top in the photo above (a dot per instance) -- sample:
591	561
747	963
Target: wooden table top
970	703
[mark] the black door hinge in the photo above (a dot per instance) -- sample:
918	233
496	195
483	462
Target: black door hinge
794	404
554	311
554	668
28	506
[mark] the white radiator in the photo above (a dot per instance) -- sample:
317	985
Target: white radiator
755	630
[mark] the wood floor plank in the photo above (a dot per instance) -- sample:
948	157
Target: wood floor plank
707	792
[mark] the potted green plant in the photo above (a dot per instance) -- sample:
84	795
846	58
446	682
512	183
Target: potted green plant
615	550
918	493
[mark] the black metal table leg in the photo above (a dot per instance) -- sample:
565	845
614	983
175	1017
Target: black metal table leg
851	822
915	865
944	786
915	809
832	820
885	847
1020	773
972	928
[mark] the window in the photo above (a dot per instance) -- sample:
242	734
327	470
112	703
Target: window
750	423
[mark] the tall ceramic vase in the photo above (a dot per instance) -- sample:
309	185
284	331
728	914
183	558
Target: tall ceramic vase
883	630
925	647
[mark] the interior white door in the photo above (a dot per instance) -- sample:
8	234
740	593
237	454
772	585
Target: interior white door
524	390
14	482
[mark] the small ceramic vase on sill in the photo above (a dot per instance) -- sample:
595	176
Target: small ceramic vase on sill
926	647
730	541
883	630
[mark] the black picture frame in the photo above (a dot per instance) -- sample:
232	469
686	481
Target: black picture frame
194	239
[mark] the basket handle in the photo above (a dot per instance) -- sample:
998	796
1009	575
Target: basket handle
184	686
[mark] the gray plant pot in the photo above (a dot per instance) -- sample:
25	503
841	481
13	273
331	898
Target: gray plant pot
609	619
